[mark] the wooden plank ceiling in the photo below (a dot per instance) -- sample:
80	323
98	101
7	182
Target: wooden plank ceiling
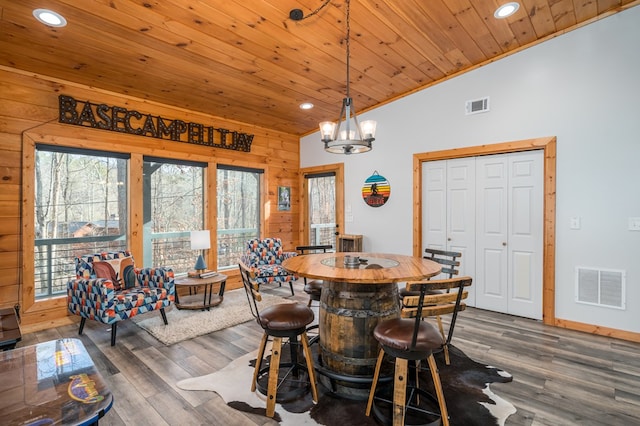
246	60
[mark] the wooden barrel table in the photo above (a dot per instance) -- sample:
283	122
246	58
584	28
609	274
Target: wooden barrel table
356	295
348	315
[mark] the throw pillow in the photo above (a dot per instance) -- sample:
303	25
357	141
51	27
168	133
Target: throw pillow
129	277
118	264
105	270
124	262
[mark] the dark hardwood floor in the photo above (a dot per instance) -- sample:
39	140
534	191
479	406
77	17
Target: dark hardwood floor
561	377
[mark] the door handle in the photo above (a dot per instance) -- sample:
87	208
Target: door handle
504	243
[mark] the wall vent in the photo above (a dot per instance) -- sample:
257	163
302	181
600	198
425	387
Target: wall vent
601	287
477	106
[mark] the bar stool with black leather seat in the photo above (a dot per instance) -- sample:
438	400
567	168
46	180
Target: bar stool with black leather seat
408	338
282	321
450	264
313	287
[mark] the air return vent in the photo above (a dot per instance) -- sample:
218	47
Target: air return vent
602	287
477	106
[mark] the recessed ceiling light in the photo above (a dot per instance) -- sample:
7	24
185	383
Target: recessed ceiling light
306	105
507	9
49	17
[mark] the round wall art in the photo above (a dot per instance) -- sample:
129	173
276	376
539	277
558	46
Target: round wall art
376	190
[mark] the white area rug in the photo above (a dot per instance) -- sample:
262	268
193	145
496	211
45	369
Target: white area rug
186	324
233	383
466	382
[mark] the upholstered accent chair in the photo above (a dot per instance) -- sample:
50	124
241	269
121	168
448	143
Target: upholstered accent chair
119	295
264	257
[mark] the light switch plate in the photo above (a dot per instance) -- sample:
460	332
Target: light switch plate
634	224
574	222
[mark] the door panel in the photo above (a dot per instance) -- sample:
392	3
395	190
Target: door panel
491	223
434	207
461	233
525	233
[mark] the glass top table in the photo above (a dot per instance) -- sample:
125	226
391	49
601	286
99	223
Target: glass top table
51	383
357	262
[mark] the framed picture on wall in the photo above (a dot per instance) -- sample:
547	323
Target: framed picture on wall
284	198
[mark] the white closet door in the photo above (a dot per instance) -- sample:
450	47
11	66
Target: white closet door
492	233
461	210
434	204
525	214
448	216
509	225
490	208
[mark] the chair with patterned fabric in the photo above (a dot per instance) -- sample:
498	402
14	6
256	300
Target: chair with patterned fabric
109	289
264	259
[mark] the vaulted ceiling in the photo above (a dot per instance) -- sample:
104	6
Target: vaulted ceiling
246	60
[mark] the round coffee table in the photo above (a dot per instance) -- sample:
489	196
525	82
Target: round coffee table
194	300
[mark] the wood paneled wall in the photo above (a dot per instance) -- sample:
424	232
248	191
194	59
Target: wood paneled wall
29	114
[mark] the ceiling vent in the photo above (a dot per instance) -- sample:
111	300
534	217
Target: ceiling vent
476	106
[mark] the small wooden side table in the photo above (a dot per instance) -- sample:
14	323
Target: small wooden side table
9	329
193	300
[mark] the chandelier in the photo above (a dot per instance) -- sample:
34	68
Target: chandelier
355	137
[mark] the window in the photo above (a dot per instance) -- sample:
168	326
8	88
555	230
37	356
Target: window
238	208
173	199
80	208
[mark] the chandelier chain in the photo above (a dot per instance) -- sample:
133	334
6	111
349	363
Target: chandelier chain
348	47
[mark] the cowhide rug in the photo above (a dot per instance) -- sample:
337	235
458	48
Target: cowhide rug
465	383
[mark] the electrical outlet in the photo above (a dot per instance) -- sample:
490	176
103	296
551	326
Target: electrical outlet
634	224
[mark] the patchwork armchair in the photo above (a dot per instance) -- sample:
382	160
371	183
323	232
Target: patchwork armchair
264	257
120	294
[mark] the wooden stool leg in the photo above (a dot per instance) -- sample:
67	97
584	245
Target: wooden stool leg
445	347
310	368
400	391
438	386
256	371
374	383
274	367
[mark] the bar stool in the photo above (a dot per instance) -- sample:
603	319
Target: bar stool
283	321
410	339
450	268
313	287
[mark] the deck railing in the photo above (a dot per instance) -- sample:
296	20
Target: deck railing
54	257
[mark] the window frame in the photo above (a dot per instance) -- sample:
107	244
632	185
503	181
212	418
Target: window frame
148	236
260	205
54	134
48	243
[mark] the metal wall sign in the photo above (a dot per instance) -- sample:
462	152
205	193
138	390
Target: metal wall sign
376	190
123	120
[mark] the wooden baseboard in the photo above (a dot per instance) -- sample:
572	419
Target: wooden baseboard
598	330
44	325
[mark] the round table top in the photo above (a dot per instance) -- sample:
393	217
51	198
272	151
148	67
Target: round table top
194	281
372	267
